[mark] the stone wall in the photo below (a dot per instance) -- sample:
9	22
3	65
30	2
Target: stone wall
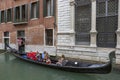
66	37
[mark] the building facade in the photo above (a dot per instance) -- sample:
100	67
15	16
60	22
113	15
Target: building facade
31	22
88	29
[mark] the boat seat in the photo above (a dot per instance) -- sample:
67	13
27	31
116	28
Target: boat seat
72	63
64	62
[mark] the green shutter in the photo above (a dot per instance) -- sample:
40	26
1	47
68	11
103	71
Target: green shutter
11	15
5	15
0	17
44	8
26	12
30	11
20	18
14	14
38	9
54	8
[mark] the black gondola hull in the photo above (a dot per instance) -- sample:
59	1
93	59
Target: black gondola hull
104	69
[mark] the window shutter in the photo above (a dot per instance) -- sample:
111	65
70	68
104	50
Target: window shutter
54	8
14	14
44	8
5	15
26	12
0	17
11	14
20	18
30	11
37	9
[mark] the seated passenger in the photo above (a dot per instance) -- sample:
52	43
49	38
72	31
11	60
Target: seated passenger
43	54
60	61
38	56
47	59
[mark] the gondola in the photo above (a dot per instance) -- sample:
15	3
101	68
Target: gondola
72	66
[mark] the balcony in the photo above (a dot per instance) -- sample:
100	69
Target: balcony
20	21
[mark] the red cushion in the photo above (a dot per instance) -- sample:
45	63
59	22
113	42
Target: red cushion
32	55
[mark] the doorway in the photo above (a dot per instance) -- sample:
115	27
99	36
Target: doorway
21	41
6	39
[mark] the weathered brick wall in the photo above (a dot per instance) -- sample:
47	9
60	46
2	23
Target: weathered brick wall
13	37
34	30
35	35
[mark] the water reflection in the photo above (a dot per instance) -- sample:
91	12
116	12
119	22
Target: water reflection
6	57
12	68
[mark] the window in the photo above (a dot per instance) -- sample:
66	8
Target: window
17	14
107	22
9	15
21	34
21	14
21	40
49	37
6	34
49	7
6	39
2	16
82	22
35	10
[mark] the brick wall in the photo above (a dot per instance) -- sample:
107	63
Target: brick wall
34	27
34	30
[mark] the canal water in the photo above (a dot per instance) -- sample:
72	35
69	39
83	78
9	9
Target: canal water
12	68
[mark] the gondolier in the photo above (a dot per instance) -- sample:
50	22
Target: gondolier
21	43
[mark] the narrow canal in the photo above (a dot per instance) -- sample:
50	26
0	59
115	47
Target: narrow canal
12	68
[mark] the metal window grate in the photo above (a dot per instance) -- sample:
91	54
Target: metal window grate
82	2
107	24
112	7
101	9
82	23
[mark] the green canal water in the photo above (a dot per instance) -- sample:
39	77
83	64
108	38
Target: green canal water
12	68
